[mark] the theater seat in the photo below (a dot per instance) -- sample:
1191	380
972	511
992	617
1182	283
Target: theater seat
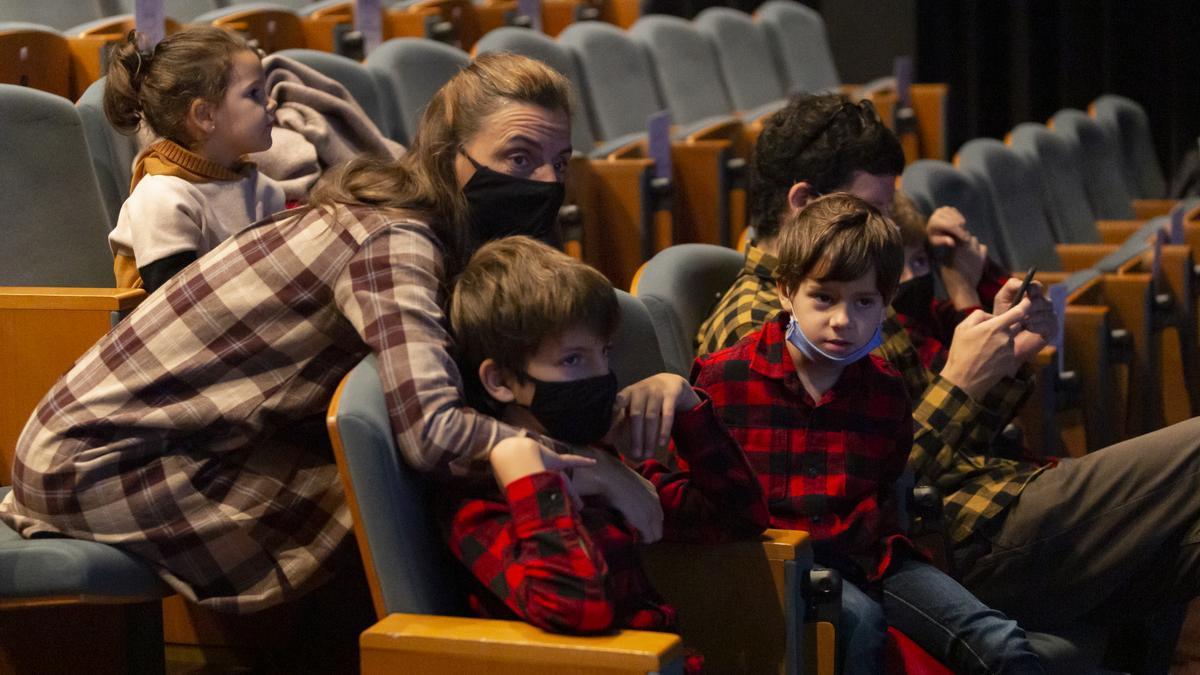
423	625
112	152
55	266
1102	166
48	577
680	286
619	91
274	27
747	64
1125	119
37	56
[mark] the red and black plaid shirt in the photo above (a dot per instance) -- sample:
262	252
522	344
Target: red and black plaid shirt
830	466
932	331
579	570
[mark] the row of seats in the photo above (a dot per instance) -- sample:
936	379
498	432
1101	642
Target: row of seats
1042	200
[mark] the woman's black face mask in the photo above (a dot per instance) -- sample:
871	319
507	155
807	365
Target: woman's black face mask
502	205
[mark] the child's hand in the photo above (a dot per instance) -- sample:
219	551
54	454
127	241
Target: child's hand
649	409
635	497
519	456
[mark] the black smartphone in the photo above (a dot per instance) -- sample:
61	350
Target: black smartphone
1025	285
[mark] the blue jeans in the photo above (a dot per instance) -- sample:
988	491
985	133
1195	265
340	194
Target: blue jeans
936	613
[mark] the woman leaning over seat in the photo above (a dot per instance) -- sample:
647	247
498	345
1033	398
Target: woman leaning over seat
192	434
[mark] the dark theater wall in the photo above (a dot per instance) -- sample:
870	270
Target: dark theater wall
1019	60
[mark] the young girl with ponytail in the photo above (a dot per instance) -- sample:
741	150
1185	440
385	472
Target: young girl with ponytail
203	93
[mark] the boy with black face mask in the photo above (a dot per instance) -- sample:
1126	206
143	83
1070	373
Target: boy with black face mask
534	326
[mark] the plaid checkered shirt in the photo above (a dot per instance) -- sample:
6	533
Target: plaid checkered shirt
830	466
536	556
192	434
952	432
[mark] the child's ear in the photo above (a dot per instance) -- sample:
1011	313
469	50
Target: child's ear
201	118
495	382
785	297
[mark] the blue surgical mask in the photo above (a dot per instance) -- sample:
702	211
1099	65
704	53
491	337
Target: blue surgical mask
812	352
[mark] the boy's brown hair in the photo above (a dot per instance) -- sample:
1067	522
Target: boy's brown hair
909	218
516	292
839	237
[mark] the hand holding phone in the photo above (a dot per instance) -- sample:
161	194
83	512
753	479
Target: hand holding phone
1025	285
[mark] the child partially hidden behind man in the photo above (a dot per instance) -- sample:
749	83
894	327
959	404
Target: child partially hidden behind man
829	429
535	326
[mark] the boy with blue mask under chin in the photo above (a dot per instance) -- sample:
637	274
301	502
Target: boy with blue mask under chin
534	328
828	428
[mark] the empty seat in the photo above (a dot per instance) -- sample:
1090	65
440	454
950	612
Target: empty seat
1101	164
679	287
409	72
744	54
55	221
1063	184
274	27
801	46
112	152
1015	189
1125	118
685	63
618	85
180	10
619	90
58	14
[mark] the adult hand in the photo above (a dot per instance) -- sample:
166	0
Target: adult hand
982	351
648	409
1040	325
634	496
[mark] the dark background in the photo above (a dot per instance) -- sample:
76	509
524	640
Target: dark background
1013	61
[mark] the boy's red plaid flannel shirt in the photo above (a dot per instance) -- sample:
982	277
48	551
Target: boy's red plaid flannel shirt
578	570
829	467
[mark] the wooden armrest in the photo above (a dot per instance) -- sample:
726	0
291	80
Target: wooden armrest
419	644
56	298
724	130
1077	257
1149	208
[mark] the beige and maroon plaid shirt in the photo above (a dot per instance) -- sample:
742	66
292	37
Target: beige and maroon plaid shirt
192	434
